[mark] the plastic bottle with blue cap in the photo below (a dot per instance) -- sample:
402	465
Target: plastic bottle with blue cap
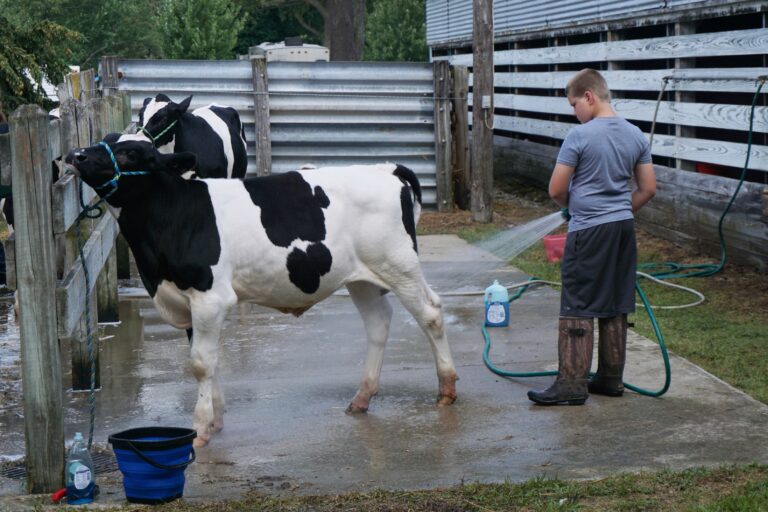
496	305
80	483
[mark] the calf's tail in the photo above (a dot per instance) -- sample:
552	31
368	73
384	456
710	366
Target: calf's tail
408	177
410	200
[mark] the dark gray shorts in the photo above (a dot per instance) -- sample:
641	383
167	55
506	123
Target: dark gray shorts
598	271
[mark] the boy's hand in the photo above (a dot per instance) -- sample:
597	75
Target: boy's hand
566	214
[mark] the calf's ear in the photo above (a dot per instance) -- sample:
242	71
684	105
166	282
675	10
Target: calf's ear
184	105
178	163
111	138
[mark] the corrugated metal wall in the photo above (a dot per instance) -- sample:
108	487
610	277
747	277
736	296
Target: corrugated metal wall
321	113
451	20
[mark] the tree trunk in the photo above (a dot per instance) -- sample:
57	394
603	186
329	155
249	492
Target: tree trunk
345	28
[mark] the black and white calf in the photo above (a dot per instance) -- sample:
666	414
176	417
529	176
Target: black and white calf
284	241
213	133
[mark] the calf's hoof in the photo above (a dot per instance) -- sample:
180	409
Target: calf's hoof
353	408
443	400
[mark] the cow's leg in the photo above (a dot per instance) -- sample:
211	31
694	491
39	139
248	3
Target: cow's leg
376	311
218	405
424	304
209	310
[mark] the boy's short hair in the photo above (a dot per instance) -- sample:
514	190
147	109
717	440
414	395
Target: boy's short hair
588	80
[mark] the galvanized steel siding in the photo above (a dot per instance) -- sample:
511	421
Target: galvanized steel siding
321	113
451	20
341	113
227	82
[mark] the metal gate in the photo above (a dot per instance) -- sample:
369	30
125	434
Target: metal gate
320	113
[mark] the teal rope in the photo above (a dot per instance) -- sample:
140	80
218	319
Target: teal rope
155	137
93	212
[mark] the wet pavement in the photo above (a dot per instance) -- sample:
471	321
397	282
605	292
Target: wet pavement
288	381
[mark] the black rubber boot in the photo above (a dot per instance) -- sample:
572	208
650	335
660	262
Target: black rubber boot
574	349
611	354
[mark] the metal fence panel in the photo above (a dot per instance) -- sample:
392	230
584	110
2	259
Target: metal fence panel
451	20
321	113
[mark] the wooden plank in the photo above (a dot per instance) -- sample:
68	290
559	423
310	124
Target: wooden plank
698	150
107	299
700	79
261	114
10	261
70	294
713	44
66	202
54	137
709	115
108	75
80	359
36	275
460	136
443	146
5	159
481	193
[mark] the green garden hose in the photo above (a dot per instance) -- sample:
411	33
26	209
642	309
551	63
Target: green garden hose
667	270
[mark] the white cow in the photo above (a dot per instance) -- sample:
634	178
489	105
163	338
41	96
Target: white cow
284	241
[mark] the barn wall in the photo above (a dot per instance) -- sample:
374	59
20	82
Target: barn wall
706	56
321	113
686	209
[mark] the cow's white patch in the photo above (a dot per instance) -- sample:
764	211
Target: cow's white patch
222	130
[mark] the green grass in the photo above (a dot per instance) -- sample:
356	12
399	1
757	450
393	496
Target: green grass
743	488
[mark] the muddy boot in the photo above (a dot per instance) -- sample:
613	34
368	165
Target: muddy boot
574	349
611	353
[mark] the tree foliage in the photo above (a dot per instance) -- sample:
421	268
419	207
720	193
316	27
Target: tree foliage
106	27
396	31
201	29
342	22
274	24
30	53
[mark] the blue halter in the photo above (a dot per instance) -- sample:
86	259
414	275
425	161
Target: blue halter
118	173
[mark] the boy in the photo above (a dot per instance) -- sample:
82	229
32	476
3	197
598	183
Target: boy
593	179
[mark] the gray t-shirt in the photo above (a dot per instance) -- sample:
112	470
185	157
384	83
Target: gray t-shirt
604	152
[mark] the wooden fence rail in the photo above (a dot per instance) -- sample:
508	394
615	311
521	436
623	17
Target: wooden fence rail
44	266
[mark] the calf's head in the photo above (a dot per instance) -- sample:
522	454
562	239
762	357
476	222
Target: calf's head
95	165
158	117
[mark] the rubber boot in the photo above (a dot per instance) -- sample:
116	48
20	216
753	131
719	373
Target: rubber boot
611	354
574	350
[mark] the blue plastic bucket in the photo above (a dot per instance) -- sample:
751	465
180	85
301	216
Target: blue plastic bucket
153	460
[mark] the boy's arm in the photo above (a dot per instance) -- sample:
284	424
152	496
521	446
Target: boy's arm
645	177
559	184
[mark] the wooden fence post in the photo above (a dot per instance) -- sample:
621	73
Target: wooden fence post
261	115
482	111
36	278
460	136
441	71
121	246
108	75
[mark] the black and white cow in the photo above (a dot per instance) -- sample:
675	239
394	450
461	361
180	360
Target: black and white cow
285	241
213	133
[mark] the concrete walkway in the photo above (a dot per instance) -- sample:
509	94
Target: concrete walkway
288	381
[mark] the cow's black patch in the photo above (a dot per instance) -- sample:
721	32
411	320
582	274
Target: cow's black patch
406	205
305	268
290	210
411	186
172	233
